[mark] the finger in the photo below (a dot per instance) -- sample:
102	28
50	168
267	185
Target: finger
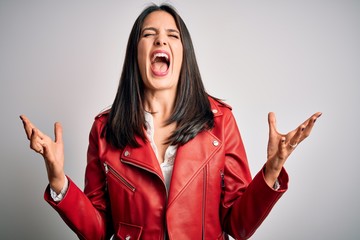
282	147
28	126
312	119
35	142
297	138
272	123
58	132
46	151
310	124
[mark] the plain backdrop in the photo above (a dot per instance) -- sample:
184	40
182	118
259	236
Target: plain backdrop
61	61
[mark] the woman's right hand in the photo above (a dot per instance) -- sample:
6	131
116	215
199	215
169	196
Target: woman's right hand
52	152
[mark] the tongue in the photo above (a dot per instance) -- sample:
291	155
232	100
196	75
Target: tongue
160	67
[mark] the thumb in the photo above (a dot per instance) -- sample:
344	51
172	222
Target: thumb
272	123
58	132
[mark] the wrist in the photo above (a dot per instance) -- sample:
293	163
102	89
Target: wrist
57	184
271	175
57	197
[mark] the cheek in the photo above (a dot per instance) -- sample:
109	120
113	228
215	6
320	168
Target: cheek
180	58
141	58
178	55
141	66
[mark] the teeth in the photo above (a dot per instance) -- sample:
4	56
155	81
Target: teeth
160	55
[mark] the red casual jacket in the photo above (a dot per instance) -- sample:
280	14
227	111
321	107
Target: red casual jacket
211	192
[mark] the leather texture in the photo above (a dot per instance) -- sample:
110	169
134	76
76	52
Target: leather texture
211	194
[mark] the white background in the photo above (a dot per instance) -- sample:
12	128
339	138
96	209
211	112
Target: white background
61	61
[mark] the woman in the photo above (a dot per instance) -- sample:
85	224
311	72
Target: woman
167	160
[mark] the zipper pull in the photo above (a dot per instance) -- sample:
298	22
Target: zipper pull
106	171
106	168
222	175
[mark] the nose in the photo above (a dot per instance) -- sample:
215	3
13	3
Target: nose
160	41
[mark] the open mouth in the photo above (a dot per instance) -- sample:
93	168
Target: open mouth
160	62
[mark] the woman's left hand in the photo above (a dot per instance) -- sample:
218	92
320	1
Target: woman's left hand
280	146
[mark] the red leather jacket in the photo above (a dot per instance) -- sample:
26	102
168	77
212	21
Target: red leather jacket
211	192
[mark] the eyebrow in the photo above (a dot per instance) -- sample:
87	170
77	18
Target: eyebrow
156	30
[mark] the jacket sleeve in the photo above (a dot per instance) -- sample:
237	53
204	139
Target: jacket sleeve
86	213
246	202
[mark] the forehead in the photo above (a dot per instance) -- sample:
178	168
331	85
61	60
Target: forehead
160	19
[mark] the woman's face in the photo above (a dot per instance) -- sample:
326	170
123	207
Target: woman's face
160	52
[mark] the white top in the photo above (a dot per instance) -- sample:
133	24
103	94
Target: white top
170	153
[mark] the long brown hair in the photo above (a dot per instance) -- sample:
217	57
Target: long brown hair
191	113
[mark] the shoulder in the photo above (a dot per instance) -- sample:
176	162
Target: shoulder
218	106
103	115
100	119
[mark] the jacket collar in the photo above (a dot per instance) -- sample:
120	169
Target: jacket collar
217	106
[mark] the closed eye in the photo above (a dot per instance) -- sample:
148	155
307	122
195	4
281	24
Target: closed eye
148	34
174	36
174	33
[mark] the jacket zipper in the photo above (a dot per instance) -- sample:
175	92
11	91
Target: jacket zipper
204	203
108	169
222	186
145	169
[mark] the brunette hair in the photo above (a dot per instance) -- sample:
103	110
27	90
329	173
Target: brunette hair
192	112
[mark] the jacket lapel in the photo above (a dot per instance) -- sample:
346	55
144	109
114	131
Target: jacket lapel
190	160
142	157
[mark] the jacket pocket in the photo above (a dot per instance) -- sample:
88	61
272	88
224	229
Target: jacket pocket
128	231
111	171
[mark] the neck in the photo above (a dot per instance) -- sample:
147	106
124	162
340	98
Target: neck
160	104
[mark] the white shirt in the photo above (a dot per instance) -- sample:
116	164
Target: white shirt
170	153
